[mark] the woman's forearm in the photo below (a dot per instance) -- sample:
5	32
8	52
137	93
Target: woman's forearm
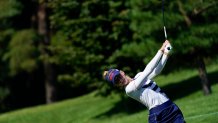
166	50
153	63
157	70
148	69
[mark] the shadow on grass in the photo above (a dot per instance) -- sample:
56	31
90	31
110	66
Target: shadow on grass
173	91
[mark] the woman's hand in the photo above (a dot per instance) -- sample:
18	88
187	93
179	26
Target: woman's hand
164	45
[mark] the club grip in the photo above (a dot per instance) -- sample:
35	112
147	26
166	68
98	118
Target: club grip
168	47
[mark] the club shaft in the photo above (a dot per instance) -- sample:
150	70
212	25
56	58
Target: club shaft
165	32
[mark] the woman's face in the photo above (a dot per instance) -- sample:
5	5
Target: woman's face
122	79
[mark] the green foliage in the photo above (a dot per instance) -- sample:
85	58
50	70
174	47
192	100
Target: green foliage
22	52
86	34
90	36
191	26
133	56
4	92
198	37
192	36
9	8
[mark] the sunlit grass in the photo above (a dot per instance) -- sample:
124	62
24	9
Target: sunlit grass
196	107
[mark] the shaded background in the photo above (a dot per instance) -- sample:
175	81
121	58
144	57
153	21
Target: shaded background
52	50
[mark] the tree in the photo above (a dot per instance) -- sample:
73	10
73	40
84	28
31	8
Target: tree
28	49
44	32
8	9
188	26
199	36
86	34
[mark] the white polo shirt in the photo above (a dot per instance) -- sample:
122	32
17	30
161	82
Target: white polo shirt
143	89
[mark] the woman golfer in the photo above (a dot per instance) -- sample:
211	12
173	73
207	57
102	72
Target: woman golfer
143	89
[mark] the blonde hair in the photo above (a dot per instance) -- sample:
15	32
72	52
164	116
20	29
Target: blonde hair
104	74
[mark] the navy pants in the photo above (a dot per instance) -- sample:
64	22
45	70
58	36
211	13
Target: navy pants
167	112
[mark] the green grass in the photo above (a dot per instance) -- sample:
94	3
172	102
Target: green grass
180	87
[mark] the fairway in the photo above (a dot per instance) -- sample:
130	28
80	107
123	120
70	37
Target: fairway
90	108
203	115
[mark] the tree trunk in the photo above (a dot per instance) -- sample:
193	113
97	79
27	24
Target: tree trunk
49	71
203	76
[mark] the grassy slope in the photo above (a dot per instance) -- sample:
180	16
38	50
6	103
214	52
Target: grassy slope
91	109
